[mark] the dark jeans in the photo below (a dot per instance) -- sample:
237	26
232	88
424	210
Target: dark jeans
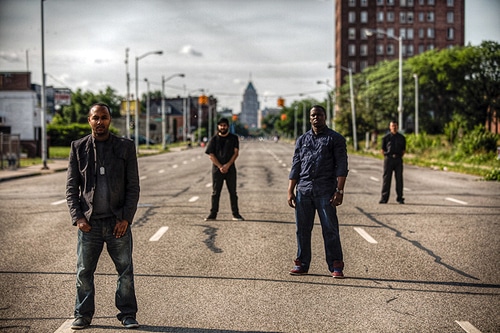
305	210
217	183
89	248
392	164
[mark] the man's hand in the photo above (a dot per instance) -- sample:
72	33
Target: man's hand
120	228
337	199
83	224
291	200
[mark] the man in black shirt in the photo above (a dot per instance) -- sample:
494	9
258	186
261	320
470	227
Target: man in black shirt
393	148
223	149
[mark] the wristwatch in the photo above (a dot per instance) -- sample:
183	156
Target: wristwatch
339	191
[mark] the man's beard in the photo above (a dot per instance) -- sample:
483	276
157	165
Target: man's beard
223	131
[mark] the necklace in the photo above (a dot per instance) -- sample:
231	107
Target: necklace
102	169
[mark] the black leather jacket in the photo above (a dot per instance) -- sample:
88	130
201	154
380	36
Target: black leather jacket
122	172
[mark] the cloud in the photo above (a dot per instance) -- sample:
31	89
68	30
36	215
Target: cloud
10	57
188	49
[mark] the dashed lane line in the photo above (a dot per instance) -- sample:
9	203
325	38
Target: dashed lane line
365	235
456	201
156	237
193	199
467	327
55	203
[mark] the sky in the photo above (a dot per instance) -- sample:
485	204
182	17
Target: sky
282	46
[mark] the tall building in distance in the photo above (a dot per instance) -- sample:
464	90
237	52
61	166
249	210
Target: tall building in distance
250	107
422	24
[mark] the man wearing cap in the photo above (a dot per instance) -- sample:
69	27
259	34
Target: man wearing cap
223	149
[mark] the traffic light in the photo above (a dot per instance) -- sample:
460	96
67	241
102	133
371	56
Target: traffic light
235	117
281	102
283	116
203	100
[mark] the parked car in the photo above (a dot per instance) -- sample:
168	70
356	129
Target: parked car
142	140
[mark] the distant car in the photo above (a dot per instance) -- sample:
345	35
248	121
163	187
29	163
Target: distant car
142	140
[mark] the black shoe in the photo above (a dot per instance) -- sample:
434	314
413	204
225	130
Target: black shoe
382	201
401	202
130	322
80	323
211	217
238	217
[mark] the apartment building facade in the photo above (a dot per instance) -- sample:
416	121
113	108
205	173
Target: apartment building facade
421	25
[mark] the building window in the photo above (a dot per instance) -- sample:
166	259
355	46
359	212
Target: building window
402	33
450	17
380	49
363	64
409	50
390	16
450	3
352	3
380	2
364	17
421	48
421	2
352	49
364	3
409	17
352	33
390	2
410	3
430	2
409	33
352	17
390	32
421	17
430	32
363	50
363	34
450	34
430	17
380	16
390	49
352	66
402	17
421	33
430	47
402	3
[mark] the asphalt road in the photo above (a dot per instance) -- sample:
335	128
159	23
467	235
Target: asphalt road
431	265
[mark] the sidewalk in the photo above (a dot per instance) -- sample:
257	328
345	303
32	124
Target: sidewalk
55	165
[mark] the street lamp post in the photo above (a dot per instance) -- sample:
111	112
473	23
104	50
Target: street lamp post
415	76
353	108
163	127
370	32
127	122
44	98
328	119
147	113
137	95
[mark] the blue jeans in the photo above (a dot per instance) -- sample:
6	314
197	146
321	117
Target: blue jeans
89	248
305	209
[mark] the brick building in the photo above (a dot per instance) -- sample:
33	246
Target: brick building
422	24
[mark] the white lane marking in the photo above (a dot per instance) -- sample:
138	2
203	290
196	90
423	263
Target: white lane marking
143	177
185	162
208	185
374	179
161	171
65	327
467	327
175	166
365	235
158	234
457	201
284	165
55	203
352	170
193	199
144	205
406	189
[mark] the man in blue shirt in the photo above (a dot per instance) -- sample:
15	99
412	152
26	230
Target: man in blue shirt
318	175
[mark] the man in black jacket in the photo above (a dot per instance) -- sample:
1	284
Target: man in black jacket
393	148
102	191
